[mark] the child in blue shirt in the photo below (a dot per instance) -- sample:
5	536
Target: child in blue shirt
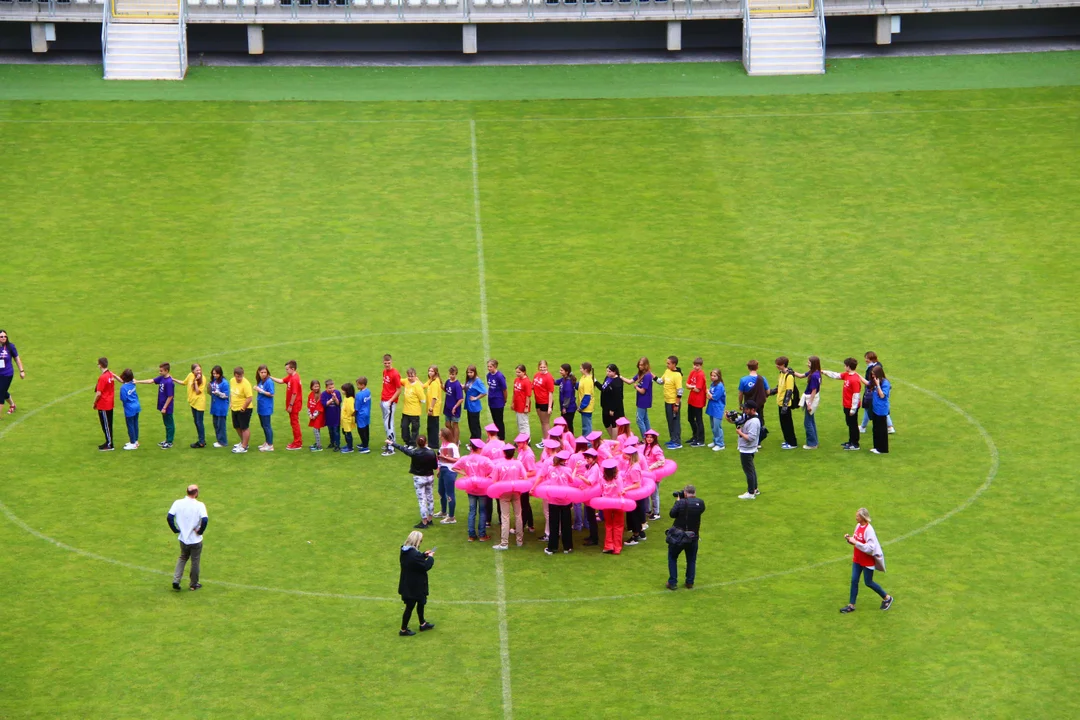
219	406
264	406
129	396
363	414
715	408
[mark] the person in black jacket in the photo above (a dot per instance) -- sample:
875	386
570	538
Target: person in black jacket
611	398
413	583
422	466
687	513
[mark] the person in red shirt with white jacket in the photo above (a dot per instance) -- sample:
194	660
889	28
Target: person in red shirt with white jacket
868	557
543	390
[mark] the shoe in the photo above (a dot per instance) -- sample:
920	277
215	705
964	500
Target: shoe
11	410
717	448
669	444
295	446
164	446
589	543
521	543
876	451
427	626
852	447
176	586
862	429
785	446
548	551
335	448
887	603
669	586
439	515
262	446
130	446
644	526
239	450
609	552
196	586
346	450
631	541
317	448
421	525
387	453
513	531
266	448
448	521
712	445
472	538
689	586
847	609
197	445
218	445
747	496
756	493
236	445
539	445
160	444
530	529
892	431
485	538
406	633
845	446
567	552
656	516
364	451
677	446
543	538
809	447
642	537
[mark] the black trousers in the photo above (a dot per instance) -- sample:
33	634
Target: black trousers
636	518
497	418
105	417
561	521
569	418
697	424
852	420
590	517
365	435
747	460
433	432
474	426
881	432
526	511
410	428
787	426
407	615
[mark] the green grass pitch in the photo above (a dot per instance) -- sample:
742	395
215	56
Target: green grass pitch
935	226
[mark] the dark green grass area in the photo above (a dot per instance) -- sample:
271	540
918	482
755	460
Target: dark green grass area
935	227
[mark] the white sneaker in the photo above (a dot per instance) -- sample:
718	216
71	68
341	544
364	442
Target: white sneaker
130	446
500	547
712	445
263	446
875	451
717	448
862	429
747	496
266	448
809	447
439	515
236	445
448	521
892	430
785	446
239	449
218	445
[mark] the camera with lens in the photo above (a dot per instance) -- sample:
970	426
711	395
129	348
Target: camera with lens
737	417
679	495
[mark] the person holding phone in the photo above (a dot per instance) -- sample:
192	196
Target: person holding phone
413	581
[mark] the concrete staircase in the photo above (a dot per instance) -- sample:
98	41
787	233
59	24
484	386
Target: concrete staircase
145	40
784	43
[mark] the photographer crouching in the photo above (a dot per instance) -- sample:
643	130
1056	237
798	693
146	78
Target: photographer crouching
683	535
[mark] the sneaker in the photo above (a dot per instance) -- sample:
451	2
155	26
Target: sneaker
892	431
669	586
539	445
642	537
406	633
196	586
655	516
197	445
567	552
847	609
164	446
239	450
439	515
549	551
852	447
785	446
712	445
421	525
862	429
500	546
335	448
316	448
608	552
160	445
104	447
485	538
387	453
130	446
346	450
689	586
756	493
472	538
266	448
717	448
876	451
262	446
364	451
543	538
427	626
747	496
676	446
176	586
236	445
449	521
809	447
845	446
588	542
218	445
631	541
644	526
887	603
669	445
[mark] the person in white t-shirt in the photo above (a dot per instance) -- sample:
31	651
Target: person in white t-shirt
188	519
448	455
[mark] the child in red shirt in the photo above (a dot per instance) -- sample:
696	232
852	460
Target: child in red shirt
315	412
695	404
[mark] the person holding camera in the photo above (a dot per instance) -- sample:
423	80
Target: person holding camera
413	582
683	535
748	427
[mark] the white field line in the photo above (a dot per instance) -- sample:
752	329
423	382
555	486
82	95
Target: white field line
500	575
358	121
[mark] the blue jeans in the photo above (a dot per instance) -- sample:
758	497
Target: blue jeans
654	502
447	497
673	563
643	421
809	424
717	424
586	423
866	418
133	428
200	427
268	431
220	429
334	431
868	576
476	506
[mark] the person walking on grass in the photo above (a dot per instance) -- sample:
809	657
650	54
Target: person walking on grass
219	405
188	519
867	558
165	402
880	391
293	403
786	400
9	357
413	582
423	463
749	433
195	384
105	401
391	391
240	399
687	512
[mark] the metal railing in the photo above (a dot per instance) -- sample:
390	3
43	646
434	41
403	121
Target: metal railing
747	38
106	12
181	28
820	6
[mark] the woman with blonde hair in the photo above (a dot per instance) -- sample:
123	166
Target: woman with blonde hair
868	558
413	582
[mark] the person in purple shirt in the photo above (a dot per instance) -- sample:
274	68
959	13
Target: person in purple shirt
165	397
331	401
496	396
453	399
567	385
9	357
642	383
811	397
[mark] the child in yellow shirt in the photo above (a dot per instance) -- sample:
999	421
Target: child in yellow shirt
348	415
672	381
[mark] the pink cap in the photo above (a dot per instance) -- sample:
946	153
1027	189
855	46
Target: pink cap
581	441
594	436
477	443
552	444
492	428
652	432
523	437
590	452
563	454
560	421
556	431
630	449
609	464
507	446
622	421
632	439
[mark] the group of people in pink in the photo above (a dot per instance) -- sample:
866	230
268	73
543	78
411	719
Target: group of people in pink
576	479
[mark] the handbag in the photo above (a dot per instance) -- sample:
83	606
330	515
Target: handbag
679	538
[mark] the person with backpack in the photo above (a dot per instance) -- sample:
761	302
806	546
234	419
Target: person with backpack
687	512
754	388
787	399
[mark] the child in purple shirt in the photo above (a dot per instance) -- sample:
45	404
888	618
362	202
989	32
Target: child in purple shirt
331	402
165	397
